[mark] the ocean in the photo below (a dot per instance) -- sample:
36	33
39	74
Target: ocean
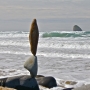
64	55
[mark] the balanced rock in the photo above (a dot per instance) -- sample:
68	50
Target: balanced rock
33	36
77	28
32	66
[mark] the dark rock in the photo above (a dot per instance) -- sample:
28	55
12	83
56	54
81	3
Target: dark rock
3	81
68	89
48	81
24	82
77	28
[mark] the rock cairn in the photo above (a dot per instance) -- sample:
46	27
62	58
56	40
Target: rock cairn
31	64
32	81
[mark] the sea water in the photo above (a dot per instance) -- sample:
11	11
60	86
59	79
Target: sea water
65	55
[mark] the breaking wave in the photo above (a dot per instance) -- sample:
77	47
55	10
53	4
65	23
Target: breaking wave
66	34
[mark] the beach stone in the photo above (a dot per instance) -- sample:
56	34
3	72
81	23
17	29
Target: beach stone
33	37
76	28
24	82
32	66
47	81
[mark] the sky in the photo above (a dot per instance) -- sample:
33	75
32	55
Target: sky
51	15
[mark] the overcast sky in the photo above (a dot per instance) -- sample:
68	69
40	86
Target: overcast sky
18	14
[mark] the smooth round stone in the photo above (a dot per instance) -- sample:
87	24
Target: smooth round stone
31	65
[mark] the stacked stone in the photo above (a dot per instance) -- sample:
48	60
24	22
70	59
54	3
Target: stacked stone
30	82
31	64
26	82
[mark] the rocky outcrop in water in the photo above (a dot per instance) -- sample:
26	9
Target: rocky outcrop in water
76	28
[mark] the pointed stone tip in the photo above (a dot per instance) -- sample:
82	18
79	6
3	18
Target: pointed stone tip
34	21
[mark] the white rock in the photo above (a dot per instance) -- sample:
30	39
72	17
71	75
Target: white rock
31	65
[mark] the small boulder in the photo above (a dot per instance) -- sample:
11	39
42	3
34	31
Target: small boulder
47	81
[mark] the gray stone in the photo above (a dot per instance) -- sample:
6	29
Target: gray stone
47	81
31	65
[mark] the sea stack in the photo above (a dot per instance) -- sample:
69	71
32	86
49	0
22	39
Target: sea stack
33	37
76	28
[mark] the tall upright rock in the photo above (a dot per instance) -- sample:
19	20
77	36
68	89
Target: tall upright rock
33	37
76	28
